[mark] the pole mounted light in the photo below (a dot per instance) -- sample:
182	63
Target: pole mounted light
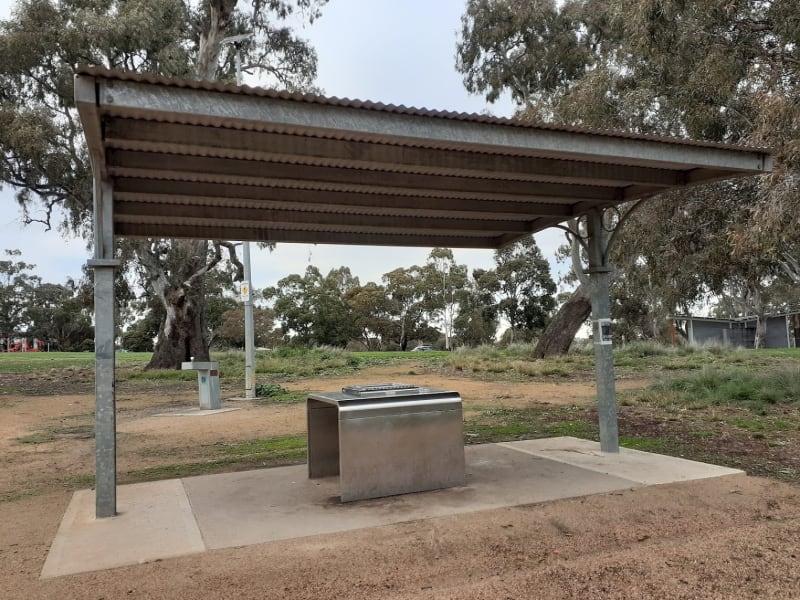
246	290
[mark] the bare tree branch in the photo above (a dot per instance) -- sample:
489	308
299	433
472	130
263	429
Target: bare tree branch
231	248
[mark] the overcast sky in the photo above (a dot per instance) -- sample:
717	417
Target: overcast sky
397	52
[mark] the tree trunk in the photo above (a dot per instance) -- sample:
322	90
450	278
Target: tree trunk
559	334
181	336
175	274
761	332
177	278
219	17
755	302
403	336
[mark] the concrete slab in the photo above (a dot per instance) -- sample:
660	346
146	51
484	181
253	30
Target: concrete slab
155	521
283	503
196	412
644	468
177	517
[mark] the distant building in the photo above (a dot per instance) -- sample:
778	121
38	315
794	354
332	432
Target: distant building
783	330
21	344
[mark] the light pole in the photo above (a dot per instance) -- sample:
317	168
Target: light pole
246	292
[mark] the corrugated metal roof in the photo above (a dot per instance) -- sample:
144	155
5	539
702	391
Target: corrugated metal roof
215	86
201	159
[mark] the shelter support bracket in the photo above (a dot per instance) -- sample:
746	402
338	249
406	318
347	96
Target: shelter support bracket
600	275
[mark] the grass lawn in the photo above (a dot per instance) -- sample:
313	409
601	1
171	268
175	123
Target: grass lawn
739	408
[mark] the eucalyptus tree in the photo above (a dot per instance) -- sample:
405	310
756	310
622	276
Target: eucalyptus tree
405	288
372	314
720	70
313	309
693	252
44	157
525	289
444	283
59	315
17	282
230	333
529	49
477	319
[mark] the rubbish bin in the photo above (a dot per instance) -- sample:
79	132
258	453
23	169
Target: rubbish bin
207	381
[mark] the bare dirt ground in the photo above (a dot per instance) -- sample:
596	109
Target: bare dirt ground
734	537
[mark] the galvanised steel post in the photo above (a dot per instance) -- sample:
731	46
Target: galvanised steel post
105	420
600	274
249	332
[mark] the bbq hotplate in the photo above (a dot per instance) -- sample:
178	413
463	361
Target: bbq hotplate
372	390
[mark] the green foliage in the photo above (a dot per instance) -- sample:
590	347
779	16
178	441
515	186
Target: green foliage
288	362
268	393
70	430
313	308
267	390
516	361
139	337
17	495
721	71
16	285
295	362
42	437
32	362
525	290
159	375
643	349
207	467
217	304
45	158
527	48
43	41
276	447
219	457
727	386
516	350
57	314
508	424
406	292
61	315
444	284
477	320
230	333
405	309
372	314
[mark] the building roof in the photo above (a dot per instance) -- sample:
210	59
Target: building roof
213	161
738	320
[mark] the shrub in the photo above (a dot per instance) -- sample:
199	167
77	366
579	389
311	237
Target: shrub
644	348
268	390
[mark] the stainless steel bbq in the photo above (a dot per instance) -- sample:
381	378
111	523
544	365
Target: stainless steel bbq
385	439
